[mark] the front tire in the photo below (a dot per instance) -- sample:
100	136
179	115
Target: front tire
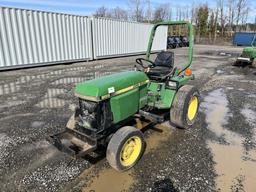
125	148
184	110
237	63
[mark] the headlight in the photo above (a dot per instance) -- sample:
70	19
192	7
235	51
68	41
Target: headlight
172	84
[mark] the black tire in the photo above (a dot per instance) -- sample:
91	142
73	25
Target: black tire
116	144
237	63
179	110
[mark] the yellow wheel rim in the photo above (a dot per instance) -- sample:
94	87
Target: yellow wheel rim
192	108
130	151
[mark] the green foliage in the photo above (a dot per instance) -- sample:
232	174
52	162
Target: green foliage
202	17
212	26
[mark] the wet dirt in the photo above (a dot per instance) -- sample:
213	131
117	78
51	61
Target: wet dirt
160	133
218	153
232	161
110	177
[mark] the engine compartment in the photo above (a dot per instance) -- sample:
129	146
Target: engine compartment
93	115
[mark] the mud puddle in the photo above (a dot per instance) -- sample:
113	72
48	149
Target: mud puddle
111	179
160	134
122	181
236	167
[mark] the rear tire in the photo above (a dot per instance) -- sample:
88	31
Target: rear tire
125	148
184	110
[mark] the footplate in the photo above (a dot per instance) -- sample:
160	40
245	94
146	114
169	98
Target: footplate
68	143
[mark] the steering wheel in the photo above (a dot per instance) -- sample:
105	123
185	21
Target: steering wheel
145	67
140	62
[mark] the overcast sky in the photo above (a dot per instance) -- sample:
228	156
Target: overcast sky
88	7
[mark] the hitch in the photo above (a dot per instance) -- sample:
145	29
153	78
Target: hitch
70	144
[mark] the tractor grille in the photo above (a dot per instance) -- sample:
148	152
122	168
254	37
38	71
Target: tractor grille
89	114
94	116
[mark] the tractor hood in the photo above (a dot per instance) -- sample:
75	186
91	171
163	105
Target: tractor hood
104	87
249	52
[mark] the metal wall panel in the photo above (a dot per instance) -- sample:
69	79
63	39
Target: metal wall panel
113	37
29	37
37	37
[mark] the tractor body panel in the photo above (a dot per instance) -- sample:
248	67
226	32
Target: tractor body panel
182	79
111	85
161	95
125	105
249	52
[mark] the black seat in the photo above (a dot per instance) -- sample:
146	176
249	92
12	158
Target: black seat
164	63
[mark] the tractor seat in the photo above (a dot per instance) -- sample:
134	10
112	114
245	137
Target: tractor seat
164	63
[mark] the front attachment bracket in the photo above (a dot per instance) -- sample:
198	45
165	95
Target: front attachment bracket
70	144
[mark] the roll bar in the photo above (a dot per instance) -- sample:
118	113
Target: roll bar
171	23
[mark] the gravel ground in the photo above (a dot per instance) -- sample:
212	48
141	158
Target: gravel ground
217	154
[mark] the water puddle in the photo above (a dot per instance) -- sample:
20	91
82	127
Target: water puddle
50	100
9	88
232	161
51	103
71	80
110	178
220	71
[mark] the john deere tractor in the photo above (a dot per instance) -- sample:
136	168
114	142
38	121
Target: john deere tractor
248	56
155	91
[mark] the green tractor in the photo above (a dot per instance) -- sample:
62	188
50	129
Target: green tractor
248	56
109	106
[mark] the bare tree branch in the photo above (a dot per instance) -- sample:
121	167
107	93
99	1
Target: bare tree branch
136	7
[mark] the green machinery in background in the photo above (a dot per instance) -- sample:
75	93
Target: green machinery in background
111	107
248	55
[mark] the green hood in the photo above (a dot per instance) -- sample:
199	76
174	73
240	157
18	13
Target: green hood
103	87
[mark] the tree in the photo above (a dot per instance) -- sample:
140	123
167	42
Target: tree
231	13
193	14
241	6
149	11
222	16
162	12
118	13
212	26
216	23
202	15
136	7
244	17
101	12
